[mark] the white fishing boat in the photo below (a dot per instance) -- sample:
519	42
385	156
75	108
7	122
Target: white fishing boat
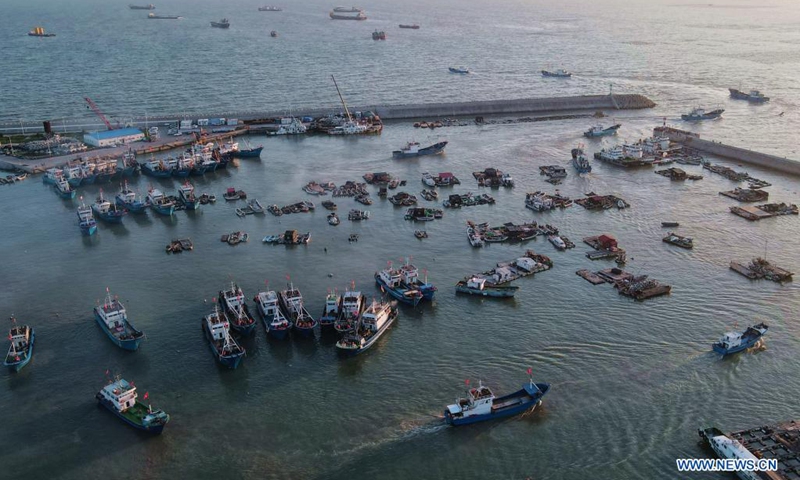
371	325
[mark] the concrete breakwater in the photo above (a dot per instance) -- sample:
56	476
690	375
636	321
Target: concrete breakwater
693	140
386	112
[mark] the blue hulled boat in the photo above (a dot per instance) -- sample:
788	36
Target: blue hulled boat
330	312
186	194
249	152
412	149
580	161
126	198
735	342
560	73
481	404
86	220
21	349
225	349
129	165
182	166
373	322
64	189
276	323
156	168
234	307
404	284
159	202
120	398
73	175
113	319
458	69
107	211
52	175
291	302
601	131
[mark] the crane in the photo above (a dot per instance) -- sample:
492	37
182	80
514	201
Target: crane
93	106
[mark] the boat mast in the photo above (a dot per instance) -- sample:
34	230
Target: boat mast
346	110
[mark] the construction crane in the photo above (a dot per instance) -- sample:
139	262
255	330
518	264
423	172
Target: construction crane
96	110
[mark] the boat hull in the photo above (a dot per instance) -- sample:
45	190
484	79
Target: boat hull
397	295
89	230
527	401
154	429
164	210
306	332
109	217
133	207
251	153
352	352
228	361
155	173
488	292
131	344
17	366
730	351
67	195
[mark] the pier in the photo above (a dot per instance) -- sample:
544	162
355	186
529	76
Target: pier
693	141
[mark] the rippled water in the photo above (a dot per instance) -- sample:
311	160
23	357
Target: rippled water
631	381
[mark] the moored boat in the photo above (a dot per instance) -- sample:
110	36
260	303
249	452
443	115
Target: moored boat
64	189
675	239
580	161
20	351
330	312
404	284
52	175
86	220
187	196
291	301
159	202
734	342
113	320
482	287
277	324
121	399
234	307
127	199
225	349
107	211
370	326
481	404
412	149
352	306
156	168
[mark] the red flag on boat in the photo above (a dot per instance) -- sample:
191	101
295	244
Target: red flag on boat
106	372
530	371
466	382
146	395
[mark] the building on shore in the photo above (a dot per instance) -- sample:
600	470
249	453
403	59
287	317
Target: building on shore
110	138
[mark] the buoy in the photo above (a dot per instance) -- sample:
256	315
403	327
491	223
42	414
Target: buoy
330	275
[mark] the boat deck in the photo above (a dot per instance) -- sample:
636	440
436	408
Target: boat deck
780	441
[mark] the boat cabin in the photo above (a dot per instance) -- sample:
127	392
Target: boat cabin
409	274
730	340
476	283
391	277
268	302
217	326
478	402
20	338
121	394
113	313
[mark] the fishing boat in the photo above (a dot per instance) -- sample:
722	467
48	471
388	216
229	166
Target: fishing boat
224	23
52	175
225	349
127	199
329	205
153	16
753	96
182	166
699	114
234	307
39	32
480	404
463	70
352	306
250	152
291	301
64	190
159	202
277	324
333	219
142	7
734	342
113	320
379	35
156	168
580	161
129	165
121	399
107	211
348	9
420	234
74	176
359	15
187	196
401	284
270	8
413	26
412	149
20	351
474	237
601	131
290	126
670	224
330	312
86	220
675	239
560	73
370	326
482	287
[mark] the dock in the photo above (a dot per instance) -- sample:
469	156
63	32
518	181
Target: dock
693	140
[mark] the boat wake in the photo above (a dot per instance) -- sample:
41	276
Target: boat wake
407	430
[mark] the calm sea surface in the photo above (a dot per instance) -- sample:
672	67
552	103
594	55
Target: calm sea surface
631	382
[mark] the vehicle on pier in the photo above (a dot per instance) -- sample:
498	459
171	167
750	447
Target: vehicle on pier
481	404
735	342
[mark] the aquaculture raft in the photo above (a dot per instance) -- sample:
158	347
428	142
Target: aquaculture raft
760	268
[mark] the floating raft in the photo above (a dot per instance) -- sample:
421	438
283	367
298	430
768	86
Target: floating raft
591	277
760	268
767	210
678	174
746	194
529	264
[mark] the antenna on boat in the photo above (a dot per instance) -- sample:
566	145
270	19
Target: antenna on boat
346	110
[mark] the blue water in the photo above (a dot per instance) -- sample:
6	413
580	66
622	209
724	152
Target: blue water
631	382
